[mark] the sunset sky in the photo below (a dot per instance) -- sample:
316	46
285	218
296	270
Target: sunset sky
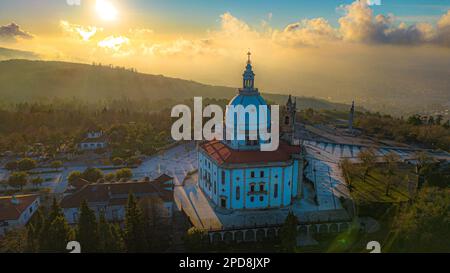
305	47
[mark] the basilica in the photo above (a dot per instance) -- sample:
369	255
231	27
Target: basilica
237	175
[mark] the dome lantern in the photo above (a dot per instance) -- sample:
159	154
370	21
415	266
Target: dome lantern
248	83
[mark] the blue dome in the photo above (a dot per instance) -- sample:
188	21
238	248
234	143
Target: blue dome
245	100
247	106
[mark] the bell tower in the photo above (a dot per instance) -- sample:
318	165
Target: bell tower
288	120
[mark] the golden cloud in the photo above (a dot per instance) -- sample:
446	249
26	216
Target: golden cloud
83	32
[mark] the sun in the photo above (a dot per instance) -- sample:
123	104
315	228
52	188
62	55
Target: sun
106	10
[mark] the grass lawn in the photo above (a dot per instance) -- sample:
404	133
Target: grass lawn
374	189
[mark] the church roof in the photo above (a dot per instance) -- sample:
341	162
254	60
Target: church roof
221	153
117	193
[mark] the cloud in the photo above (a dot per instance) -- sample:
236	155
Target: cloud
181	46
360	25
119	46
232	27
443	30
307	33
83	32
13	31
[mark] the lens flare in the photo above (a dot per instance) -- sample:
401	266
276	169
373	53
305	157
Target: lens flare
106	10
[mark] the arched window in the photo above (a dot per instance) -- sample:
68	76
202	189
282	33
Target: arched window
223	177
238	193
286	120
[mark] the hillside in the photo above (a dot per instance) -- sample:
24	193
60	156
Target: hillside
7	54
24	80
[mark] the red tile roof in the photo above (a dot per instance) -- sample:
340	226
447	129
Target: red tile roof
221	153
10	211
116	193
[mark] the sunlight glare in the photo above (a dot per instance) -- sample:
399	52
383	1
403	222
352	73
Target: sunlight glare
106	10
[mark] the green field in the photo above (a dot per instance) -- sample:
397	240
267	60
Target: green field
374	189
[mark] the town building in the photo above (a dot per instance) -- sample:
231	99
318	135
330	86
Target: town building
111	199
236	175
16	211
95	139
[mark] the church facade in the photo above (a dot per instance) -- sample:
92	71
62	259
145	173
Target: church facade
236	174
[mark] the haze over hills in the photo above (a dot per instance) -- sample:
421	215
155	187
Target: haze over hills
7	54
25	80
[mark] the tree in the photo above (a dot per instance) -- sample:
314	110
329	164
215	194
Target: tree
59	234
55	232
415	120
436	174
92	174
195	240
134	234
348	169
134	160
110	239
18	179
367	158
34	228
14	241
391	160
110	177
73	176
423	161
26	164
423	225
439	119
288	233
157	230
125	173
87	232
56	164
117	161
11	165
37	181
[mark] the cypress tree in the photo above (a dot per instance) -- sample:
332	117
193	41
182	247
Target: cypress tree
110	237
87	232
288	233
45	239
134	234
59	234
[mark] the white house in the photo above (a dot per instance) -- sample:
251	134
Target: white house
94	140
16	211
111	198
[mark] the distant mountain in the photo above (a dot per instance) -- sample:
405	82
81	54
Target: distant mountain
7	54
24	80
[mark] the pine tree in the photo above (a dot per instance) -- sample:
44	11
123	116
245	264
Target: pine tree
87	232
34	228
110	237
135	239
55	232
59	234
288	233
